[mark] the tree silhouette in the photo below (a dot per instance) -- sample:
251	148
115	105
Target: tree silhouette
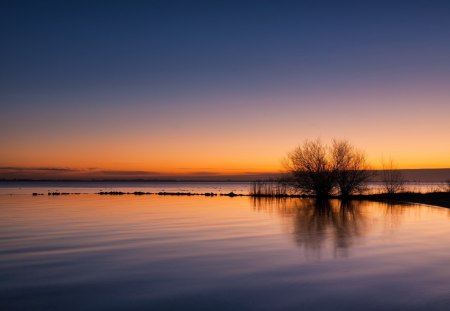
311	168
350	166
321	170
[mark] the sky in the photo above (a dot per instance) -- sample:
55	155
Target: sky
155	88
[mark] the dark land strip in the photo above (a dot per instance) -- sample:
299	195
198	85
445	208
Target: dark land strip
441	199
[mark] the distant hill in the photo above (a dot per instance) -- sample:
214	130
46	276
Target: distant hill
422	175
418	175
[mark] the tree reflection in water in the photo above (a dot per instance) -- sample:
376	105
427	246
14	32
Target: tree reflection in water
333	225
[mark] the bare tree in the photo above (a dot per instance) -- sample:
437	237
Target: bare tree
321	170
311	168
350	166
392	178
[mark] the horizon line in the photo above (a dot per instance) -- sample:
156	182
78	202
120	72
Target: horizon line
418	174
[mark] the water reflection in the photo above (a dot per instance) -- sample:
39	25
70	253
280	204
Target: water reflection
333	225
141	252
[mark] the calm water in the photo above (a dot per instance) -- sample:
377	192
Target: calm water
91	252
7	187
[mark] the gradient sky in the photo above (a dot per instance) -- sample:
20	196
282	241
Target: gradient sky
229	87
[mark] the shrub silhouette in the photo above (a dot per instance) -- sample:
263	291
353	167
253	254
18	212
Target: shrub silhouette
323	170
350	166
392	178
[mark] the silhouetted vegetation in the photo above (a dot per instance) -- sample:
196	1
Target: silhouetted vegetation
393	181
311	168
446	186
323	170
350	166
270	188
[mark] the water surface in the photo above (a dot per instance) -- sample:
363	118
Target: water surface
91	252
28	187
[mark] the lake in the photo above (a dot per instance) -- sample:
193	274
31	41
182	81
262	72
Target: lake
92	252
28	187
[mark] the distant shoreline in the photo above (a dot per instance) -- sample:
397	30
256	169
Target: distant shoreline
410	175
440	199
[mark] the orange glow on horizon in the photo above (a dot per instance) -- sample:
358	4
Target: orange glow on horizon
237	143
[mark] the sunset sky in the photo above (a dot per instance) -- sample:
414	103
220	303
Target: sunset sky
153	88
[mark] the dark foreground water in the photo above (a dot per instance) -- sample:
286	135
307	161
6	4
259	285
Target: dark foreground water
92	252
